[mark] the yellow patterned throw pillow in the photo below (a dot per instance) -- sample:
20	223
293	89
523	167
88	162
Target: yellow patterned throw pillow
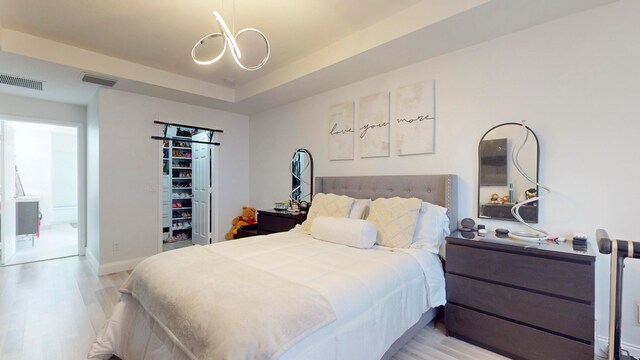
395	220
327	205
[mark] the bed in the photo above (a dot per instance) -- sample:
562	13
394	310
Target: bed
351	303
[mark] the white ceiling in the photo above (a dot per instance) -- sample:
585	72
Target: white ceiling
316	45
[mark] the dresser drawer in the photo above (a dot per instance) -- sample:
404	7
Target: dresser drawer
559	315
511	339
571	279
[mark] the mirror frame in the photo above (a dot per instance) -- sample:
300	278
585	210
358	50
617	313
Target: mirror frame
509	161
293	178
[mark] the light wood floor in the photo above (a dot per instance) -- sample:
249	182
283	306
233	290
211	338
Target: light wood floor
53	309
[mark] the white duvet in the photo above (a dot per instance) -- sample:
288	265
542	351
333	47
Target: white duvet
376	295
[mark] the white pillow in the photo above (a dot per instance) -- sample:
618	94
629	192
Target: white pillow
360	209
327	205
356	233
432	228
395	219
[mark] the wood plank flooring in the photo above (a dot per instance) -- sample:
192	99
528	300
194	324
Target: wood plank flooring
52	310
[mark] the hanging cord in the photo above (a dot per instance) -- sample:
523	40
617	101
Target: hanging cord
515	210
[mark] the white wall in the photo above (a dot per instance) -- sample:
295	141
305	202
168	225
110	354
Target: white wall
64	174
93	181
18	107
574	80
129	171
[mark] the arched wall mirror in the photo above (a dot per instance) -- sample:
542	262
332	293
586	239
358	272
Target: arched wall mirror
500	184
301	169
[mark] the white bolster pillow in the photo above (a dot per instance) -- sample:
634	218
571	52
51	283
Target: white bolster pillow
351	232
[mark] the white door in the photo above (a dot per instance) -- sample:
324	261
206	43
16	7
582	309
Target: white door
201	181
8	201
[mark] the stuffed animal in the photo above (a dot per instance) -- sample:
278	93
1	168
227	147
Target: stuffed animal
495	199
248	217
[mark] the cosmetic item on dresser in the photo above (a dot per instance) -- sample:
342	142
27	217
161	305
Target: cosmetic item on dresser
467	224
579	242
522	299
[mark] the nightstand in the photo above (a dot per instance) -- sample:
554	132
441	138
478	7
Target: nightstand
520	299
272	221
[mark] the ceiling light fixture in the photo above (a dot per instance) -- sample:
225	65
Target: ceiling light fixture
229	39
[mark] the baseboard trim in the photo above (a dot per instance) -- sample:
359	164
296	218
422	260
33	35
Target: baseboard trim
118	266
633	349
93	262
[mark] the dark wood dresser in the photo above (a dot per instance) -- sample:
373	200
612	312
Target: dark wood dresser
272	221
522	301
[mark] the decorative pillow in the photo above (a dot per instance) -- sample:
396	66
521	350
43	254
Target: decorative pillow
360	209
432	228
327	205
351	232
395	219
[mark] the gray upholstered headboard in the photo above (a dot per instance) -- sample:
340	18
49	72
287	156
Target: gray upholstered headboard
437	189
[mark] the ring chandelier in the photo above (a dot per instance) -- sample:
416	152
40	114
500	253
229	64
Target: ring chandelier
230	40
515	210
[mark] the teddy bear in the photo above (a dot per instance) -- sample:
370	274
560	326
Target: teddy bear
248	217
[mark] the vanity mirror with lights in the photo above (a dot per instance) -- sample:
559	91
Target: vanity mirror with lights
500	184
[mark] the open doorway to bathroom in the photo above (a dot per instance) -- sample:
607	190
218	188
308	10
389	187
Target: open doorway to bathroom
39	193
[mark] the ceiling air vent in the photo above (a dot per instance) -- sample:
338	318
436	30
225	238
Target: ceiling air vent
21	82
95	79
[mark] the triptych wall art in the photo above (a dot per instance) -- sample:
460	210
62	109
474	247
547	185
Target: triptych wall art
373	125
341	131
412	125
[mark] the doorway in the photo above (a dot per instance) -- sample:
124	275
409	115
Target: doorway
187	189
39	192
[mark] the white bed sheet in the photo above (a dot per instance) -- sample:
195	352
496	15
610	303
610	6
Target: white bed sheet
376	294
